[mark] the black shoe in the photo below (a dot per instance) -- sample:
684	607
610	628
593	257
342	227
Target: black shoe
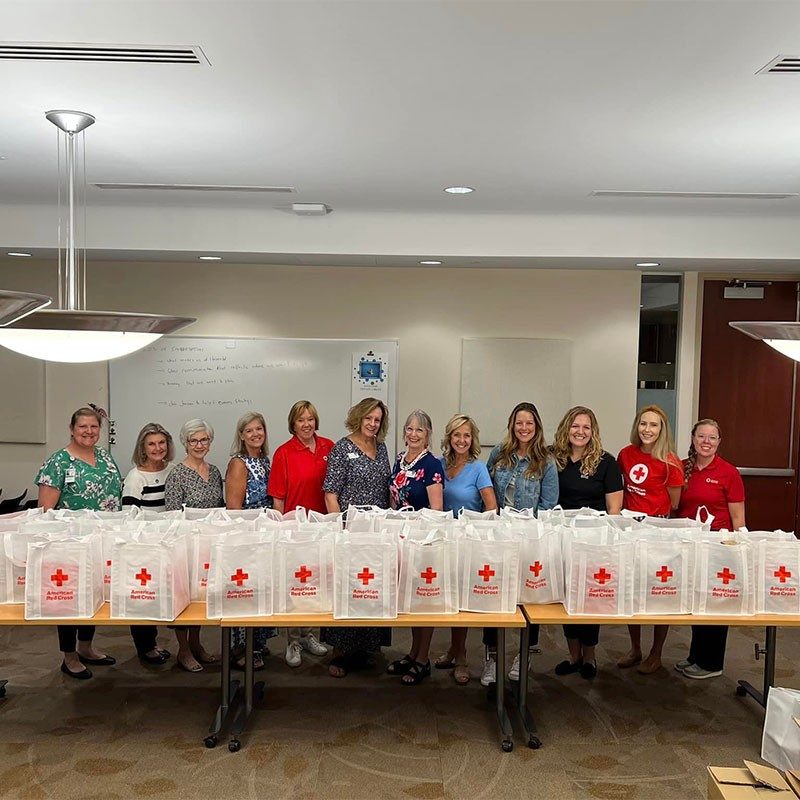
83	675
105	661
588	670
567	667
161	658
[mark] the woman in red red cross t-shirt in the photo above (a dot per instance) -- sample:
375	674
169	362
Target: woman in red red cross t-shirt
652	478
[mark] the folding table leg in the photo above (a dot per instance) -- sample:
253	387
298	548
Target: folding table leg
3	688
250	689
228	691
522	690
745	687
500	691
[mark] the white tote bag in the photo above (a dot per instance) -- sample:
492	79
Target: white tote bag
150	577
541	567
428	576
14	560
777	577
240	579
489	574
63	578
204	535
365	576
663	577
723	581
304	572
780	741
599	579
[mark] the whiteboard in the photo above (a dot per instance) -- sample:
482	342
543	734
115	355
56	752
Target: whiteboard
24	415
181	377
496	374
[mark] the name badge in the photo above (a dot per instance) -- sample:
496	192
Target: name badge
71	475
352	456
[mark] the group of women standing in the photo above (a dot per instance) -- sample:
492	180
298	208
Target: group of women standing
312	472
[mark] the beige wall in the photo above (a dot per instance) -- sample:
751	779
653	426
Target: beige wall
428	311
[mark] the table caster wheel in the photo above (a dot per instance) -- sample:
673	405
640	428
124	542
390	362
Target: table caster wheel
741	691
210	741
507	746
534	743
234	745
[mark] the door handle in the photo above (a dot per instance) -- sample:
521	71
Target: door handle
765	472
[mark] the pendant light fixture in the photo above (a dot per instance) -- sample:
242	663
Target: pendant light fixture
71	333
16	305
782	336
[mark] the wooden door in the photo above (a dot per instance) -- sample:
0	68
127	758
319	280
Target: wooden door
751	389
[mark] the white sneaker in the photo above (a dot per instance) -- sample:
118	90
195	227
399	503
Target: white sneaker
513	673
293	654
489	672
313	645
698	673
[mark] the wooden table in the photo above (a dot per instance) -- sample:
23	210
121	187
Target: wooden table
464	619
555	614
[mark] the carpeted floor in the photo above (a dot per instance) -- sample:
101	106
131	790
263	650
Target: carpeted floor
136	732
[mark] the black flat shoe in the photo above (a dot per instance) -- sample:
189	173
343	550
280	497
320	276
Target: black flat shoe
588	670
83	675
161	658
568	667
105	661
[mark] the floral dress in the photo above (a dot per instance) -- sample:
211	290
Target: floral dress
98	487
410	482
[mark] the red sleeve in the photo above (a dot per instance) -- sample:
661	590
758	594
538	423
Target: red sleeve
277	475
735	489
674	471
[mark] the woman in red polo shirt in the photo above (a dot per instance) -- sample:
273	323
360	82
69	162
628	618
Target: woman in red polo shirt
298	470
652	479
716	484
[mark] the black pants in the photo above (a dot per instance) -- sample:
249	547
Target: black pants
490	636
587	635
144	637
707	649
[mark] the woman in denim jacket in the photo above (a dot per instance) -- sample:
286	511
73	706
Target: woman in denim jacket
524	475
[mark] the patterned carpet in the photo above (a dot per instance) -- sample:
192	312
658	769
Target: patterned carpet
136	732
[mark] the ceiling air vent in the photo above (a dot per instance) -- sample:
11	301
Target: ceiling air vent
105	53
194	187
781	64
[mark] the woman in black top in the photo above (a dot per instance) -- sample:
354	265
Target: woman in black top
588	477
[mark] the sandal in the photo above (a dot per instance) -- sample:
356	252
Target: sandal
445	661
402	666
417	672
338	667
461	674
205	657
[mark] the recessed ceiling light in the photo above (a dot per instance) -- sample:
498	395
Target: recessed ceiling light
430	263
19	255
3	158
648	263
459	189
209	258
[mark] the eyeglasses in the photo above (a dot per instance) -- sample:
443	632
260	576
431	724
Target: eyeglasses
200	442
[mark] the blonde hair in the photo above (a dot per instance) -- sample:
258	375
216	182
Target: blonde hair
239	448
537	454
424	419
562	449
356	414
664	446
692	457
297	409
139	457
455	422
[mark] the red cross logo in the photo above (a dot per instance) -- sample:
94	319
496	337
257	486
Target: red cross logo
59	578
428	575
108	563
206	565
143	577
239	577
639	473
664	573
726	576
782	574
486	573
535	568
365	576
303	574
601	576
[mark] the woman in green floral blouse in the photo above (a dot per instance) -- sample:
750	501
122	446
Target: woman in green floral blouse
81	475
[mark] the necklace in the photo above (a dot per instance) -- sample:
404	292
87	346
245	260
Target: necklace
407	467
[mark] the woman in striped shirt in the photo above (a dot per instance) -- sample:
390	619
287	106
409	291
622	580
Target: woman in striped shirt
152	459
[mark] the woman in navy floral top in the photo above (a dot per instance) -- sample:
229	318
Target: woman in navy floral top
417	481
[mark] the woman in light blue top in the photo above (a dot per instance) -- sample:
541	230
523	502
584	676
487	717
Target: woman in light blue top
524	475
469	486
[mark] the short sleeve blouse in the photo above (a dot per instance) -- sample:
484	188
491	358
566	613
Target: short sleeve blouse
185	487
410	482
356	478
83	486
